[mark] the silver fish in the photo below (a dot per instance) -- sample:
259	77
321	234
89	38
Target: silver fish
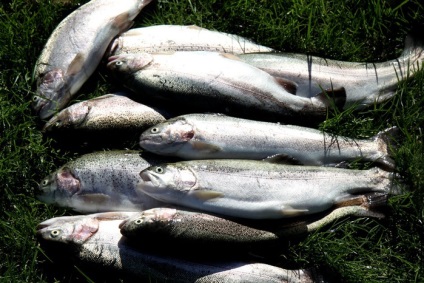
211	136
96	240
165	38
176	228
75	48
258	189
99	181
364	83
213	81
105	113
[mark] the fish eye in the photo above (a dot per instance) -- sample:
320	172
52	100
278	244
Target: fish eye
159	170
54	233
138	221
35	98
154	130
45	182
119	63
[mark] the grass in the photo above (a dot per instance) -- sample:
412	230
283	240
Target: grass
357	250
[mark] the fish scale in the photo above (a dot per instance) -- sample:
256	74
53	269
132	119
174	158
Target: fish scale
100	181
75	48
105	247
258	189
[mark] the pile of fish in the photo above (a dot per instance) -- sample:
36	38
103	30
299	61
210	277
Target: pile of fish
216	172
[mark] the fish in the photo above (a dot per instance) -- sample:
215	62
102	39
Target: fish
99	181
166	38
96	241
107	119
75	48
216	82
256	189
178	228
365	83
217	136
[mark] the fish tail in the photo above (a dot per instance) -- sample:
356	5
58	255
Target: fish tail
387	141
374	200
414	42
413	52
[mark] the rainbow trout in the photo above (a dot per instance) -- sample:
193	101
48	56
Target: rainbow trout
212	136
75	48
219	82
364	83
165	38
100	181
177	228
258	189
96	241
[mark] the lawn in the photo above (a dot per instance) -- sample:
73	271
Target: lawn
353	249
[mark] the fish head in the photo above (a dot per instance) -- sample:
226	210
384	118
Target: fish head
168	137
168	182
67	230
50	87
154	219
59	187
129	63
69	118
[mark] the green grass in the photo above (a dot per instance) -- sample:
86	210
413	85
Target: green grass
357	249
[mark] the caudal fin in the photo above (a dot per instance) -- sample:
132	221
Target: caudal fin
387	141
412	58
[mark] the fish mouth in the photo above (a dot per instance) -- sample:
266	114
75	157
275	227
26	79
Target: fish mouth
148	178
123	223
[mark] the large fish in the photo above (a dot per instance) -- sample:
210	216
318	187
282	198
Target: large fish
364	83
177	228
211	136
258	189
100	181
212	81
75	48
165	38
96	241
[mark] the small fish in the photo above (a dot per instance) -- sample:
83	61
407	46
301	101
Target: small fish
96	241
364	83
75	48
212	136
166	38
100	181
110	111
257	189
220	82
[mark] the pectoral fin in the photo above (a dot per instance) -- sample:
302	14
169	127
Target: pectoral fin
95	198
206	195
76	65
205	147
289	211
122	22
333	98
282	158
288	85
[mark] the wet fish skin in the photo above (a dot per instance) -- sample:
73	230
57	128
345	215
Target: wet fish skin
166	38
99	181
212	81
257	189
177	228
364	83
96	240
212	136
75	48
107	112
